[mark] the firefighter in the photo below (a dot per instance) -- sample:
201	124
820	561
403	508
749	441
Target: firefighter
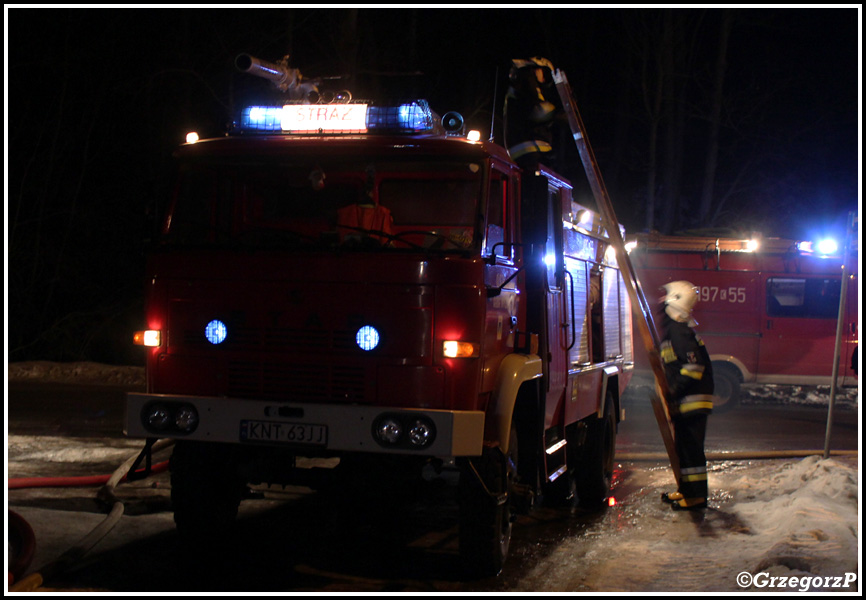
690	379
531	109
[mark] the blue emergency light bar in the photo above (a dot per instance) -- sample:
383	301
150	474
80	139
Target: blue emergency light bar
412	117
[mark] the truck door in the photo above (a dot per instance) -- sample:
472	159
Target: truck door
799	328
503	309
558	329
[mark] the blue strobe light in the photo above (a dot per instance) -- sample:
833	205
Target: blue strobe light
367	338
216	332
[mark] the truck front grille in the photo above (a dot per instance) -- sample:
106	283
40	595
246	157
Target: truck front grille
279	339
301	382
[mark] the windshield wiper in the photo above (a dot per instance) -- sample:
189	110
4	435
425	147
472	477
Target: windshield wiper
384	234
440	241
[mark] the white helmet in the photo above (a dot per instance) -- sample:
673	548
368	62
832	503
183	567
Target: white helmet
680	299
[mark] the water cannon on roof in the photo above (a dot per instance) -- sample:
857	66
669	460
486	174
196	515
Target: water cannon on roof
284	78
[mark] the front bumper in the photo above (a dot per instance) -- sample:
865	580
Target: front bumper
328	427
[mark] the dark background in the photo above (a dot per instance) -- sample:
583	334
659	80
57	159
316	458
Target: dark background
97	99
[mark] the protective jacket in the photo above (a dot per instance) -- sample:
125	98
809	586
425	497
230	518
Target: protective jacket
690	379
688	369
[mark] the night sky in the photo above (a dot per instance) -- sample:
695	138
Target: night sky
98	99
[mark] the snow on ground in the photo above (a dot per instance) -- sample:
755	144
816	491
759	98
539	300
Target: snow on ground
772	519
70	456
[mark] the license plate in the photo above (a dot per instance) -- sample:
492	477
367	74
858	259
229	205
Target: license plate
275	431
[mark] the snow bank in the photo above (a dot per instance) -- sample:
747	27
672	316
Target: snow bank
846	397
805	517
75	372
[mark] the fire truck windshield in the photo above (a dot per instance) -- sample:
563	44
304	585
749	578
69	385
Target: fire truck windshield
386	205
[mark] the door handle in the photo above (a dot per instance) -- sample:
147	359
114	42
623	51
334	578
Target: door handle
570	299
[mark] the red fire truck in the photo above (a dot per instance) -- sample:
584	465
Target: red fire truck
366	283
767	309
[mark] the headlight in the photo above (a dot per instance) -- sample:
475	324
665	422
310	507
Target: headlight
168	417
389	431
408	431
421	433
186	418
158	417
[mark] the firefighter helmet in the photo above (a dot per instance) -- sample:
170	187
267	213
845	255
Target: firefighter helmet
680	299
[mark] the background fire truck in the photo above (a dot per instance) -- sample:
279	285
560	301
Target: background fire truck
767	309
367	283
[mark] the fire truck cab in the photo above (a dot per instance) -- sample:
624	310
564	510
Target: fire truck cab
767	308
363	283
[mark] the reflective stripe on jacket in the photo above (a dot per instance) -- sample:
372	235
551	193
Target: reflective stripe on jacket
523	148
696	404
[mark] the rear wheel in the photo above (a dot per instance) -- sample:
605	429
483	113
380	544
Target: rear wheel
594	469
486	508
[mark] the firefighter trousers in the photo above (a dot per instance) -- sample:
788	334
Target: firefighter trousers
689	434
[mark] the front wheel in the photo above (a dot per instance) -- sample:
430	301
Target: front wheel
206	490
486	509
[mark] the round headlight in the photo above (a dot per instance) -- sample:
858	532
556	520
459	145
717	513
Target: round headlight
158	417
421	433
389	431
186	418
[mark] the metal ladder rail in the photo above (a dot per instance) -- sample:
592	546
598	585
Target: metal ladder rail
638	299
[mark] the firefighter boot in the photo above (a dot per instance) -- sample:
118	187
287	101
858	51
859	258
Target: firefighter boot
671	497
689	504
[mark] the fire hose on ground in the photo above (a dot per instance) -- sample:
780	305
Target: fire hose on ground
23	533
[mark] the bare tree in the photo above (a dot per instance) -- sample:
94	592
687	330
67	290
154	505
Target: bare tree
715	117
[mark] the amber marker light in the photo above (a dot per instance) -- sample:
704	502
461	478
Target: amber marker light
456	349
150	338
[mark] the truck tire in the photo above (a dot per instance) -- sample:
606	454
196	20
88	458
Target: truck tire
206	490
485	523
594	470
726	379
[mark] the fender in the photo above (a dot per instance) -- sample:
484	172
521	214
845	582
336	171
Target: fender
514	371
733	360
